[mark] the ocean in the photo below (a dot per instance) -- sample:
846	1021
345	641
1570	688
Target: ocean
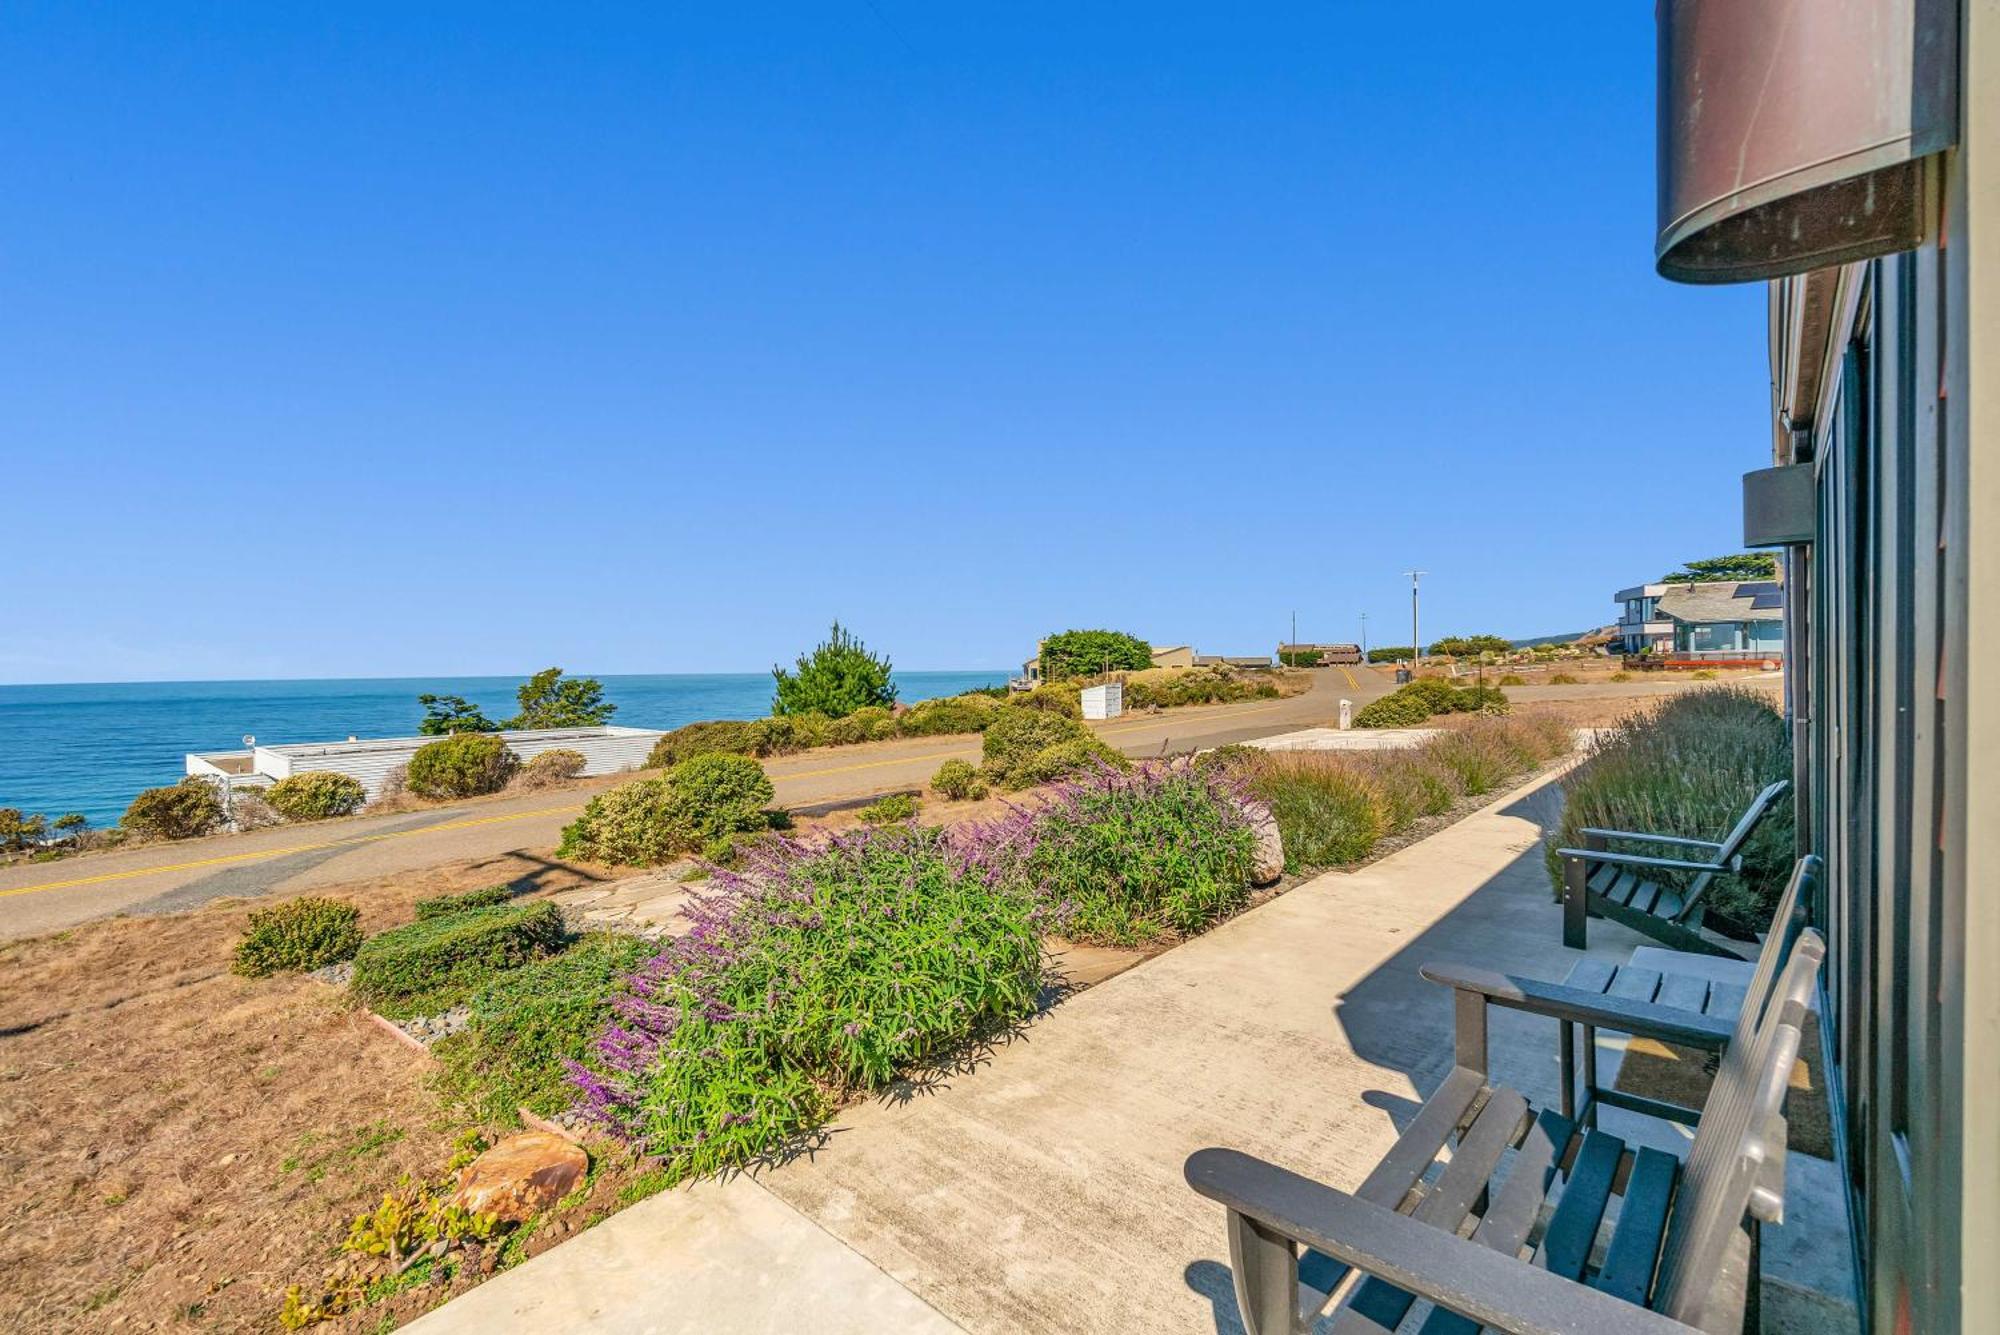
90	747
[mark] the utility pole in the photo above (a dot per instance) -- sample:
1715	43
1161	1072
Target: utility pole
1364	637
1416	640
1295	628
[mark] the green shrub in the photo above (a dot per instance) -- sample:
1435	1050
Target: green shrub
1394	710
526	1023
484	898
1702	674
835	679
891	810
1437	695
316	795
1064	760
298	936
1690	769
1389	653
546	769
433	964
465	764
1621	676
782	735
1562	679
1466	646
719	737
651	821
1483	700
1126	859
959	781
1513	679
187	810
871	724
1051	697
1029	746
819	970
1086	653
950	714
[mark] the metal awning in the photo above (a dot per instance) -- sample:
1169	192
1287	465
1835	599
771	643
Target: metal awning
1793	134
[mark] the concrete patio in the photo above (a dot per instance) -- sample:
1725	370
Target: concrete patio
1042	1190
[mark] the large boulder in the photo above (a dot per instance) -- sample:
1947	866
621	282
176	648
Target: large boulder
525	1172
1270	863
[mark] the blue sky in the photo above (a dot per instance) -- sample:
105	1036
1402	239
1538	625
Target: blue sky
400	339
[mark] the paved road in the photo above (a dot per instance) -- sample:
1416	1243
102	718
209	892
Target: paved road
166	878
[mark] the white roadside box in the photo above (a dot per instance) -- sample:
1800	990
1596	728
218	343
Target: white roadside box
1106	701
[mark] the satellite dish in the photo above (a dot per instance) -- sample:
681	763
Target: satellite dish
249	740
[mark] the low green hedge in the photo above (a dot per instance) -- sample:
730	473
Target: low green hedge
483	898
298	936
434	963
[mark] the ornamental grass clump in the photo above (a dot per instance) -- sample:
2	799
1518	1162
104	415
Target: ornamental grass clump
1690	769
816	970
1124	858
1329	809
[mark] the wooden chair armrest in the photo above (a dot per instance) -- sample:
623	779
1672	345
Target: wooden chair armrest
1639	860
1634	837
1643	1018
1477	1282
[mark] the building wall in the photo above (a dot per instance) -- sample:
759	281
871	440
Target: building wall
1899	757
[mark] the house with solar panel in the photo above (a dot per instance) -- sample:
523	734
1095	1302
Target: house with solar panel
1717	621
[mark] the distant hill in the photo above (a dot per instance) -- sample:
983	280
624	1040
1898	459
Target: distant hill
1570	638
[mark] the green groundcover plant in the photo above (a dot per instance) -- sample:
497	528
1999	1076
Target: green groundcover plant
483	898
298	936
430	965
527	1022
1690	769
812	971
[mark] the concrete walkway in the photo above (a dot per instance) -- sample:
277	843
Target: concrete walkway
1042	1191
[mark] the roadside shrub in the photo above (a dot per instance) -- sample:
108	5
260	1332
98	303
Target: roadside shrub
465	764
1690	768
959	781
1514	679
1052	697
298	936
725	737
815	970
1198	686
1435	693
872	724
1395	710
434	963
1621	676
1562	679
1085	653
187	810
483	898
650	821
249	811
782	735
1122	859
1018	735
316	795
1702	674
950	714
891	810
1483	700
546	769
526	1023
838	677
1067	760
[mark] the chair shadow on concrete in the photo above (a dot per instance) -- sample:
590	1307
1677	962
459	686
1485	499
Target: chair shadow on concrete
1395	1020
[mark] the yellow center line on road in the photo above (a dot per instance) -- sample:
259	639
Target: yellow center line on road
265	854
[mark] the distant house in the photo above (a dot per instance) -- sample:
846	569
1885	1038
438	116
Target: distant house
1173	655
1233	660
1325	653
1721	619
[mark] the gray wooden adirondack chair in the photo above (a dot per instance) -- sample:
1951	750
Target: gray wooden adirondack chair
1681	1254
1681	996
1613	884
